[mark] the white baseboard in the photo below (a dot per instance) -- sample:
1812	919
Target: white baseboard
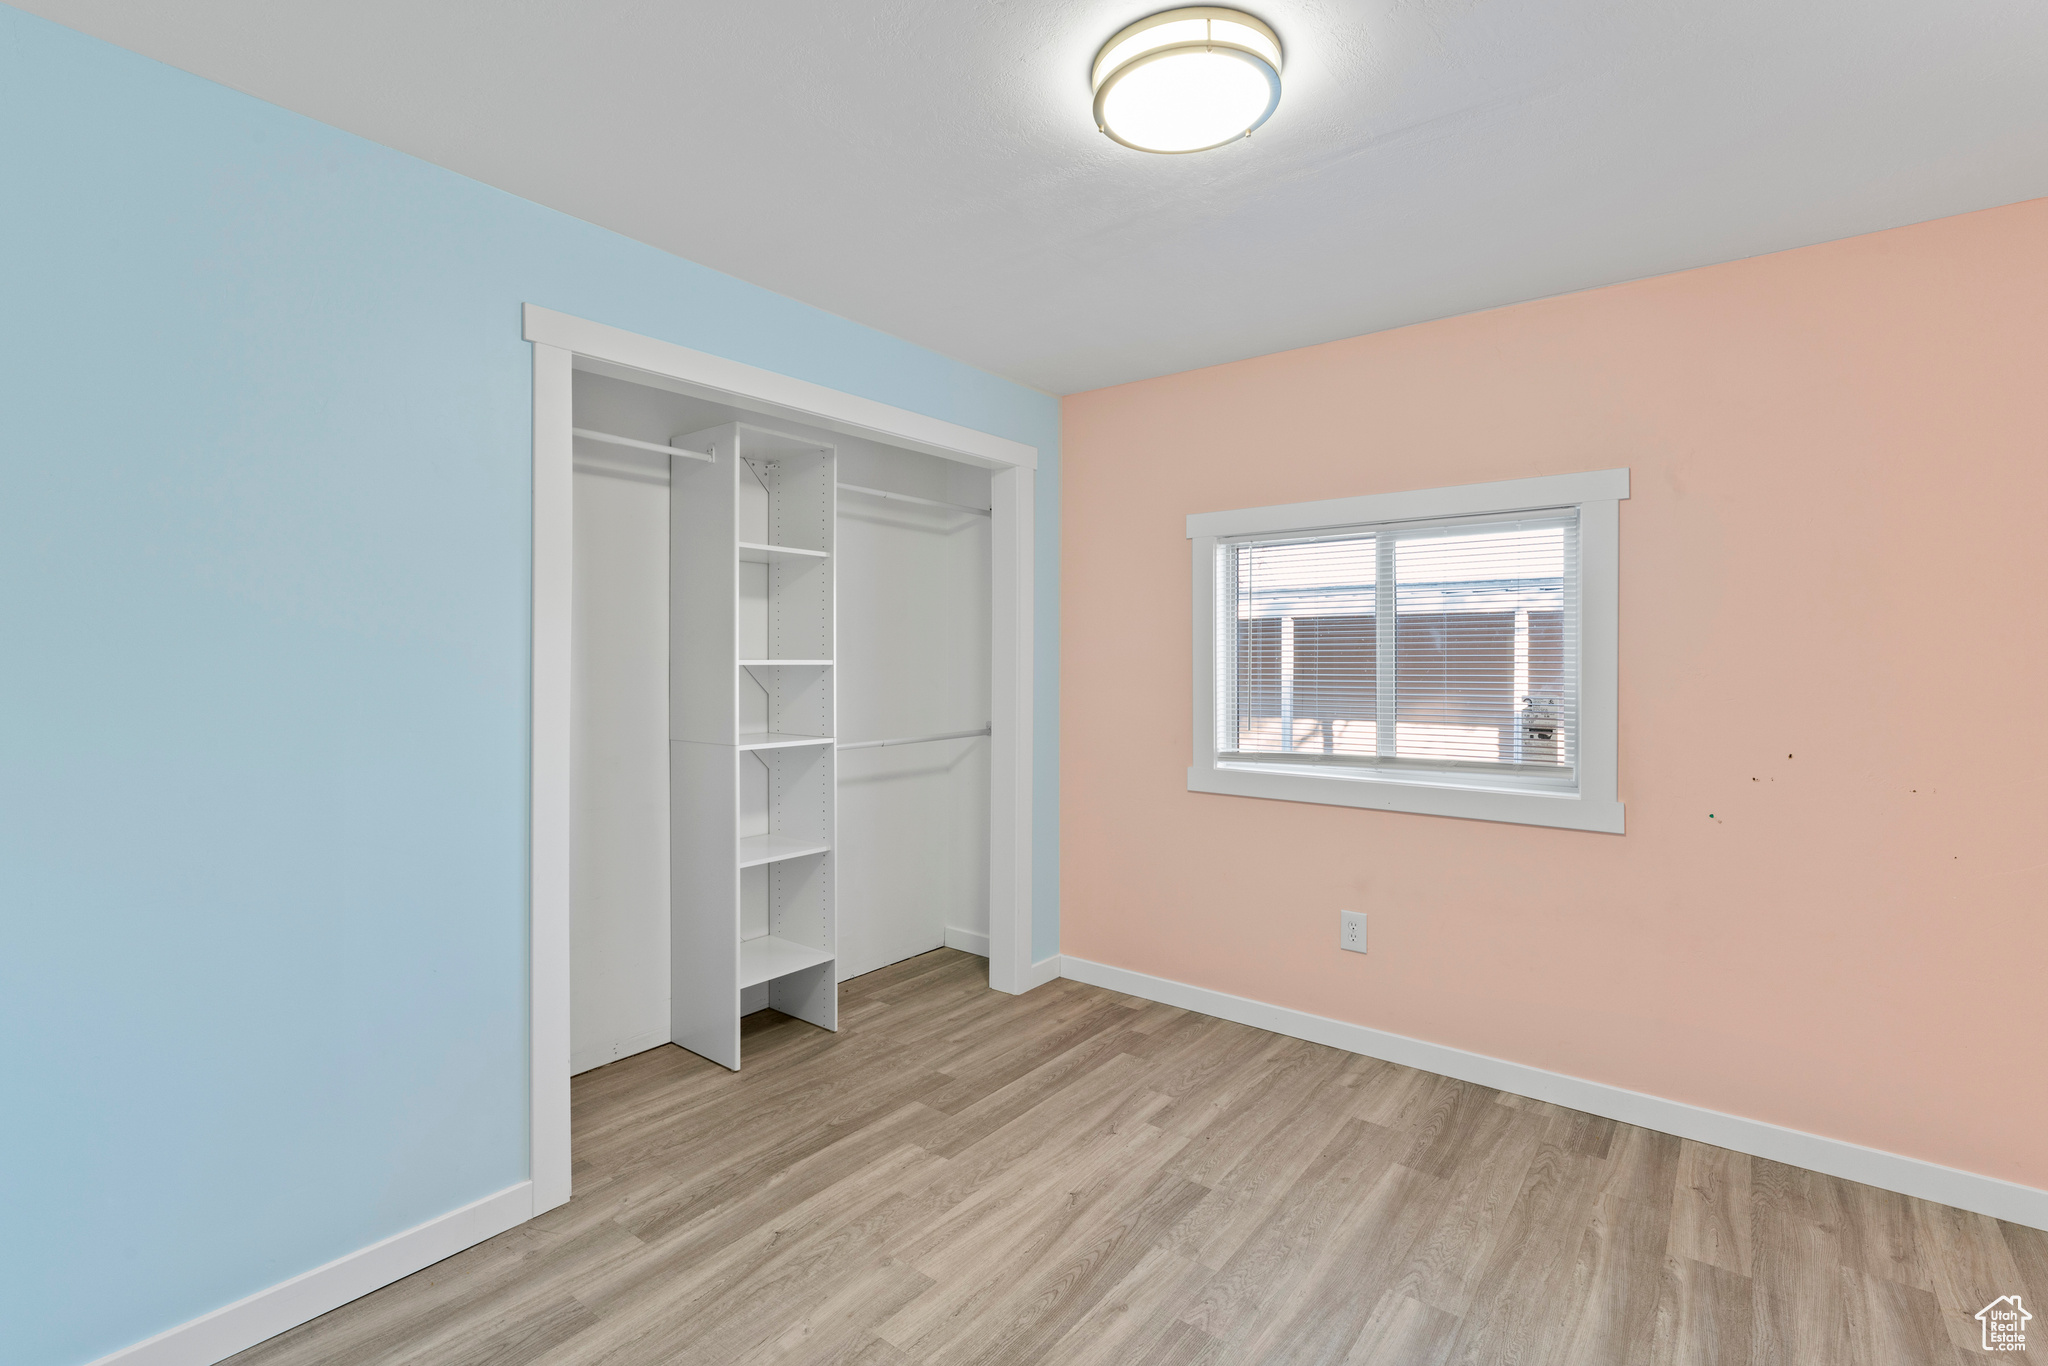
1850	1161
1041	972
216	1336
967	941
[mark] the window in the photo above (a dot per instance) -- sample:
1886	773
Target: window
1449	651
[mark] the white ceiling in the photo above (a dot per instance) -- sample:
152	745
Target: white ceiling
928	167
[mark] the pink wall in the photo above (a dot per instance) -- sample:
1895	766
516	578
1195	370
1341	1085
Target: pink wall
1834	638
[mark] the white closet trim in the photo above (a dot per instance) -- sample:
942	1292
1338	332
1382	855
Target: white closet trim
772	395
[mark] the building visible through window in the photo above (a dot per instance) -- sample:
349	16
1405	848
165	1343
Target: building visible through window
1431	646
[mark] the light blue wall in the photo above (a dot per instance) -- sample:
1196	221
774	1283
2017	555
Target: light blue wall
263	672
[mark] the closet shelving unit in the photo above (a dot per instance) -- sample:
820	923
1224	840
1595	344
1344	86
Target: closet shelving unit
752	756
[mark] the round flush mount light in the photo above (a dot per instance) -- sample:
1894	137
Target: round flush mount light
1187	80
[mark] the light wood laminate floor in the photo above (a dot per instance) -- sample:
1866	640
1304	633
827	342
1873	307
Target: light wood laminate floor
1074	1176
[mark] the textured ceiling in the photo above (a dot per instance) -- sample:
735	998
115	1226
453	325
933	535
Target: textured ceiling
928	166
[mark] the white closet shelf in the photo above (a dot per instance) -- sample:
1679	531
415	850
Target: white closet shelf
770	663
758	849
753	552
767	958
770	739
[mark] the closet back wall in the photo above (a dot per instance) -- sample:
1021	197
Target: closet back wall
265	543
1827	910
913	660
619	778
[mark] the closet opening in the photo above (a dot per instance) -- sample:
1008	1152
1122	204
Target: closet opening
782	704
780	701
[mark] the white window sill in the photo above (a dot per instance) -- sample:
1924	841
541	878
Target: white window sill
1444	797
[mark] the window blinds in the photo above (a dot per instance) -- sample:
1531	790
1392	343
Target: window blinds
1448	645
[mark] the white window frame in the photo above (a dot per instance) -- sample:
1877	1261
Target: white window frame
1595	804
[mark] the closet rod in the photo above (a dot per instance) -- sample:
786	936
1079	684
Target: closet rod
917	739
927	502
611	440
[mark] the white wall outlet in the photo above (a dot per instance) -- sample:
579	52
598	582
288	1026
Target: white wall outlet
1351	931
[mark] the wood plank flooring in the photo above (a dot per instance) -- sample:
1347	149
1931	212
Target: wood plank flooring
1078	1177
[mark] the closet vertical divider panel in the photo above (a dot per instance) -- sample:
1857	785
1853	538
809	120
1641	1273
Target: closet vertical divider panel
752	711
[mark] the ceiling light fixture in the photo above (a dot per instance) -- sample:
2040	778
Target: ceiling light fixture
1187	80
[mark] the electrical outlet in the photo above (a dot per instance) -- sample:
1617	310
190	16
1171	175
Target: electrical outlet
1351	931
